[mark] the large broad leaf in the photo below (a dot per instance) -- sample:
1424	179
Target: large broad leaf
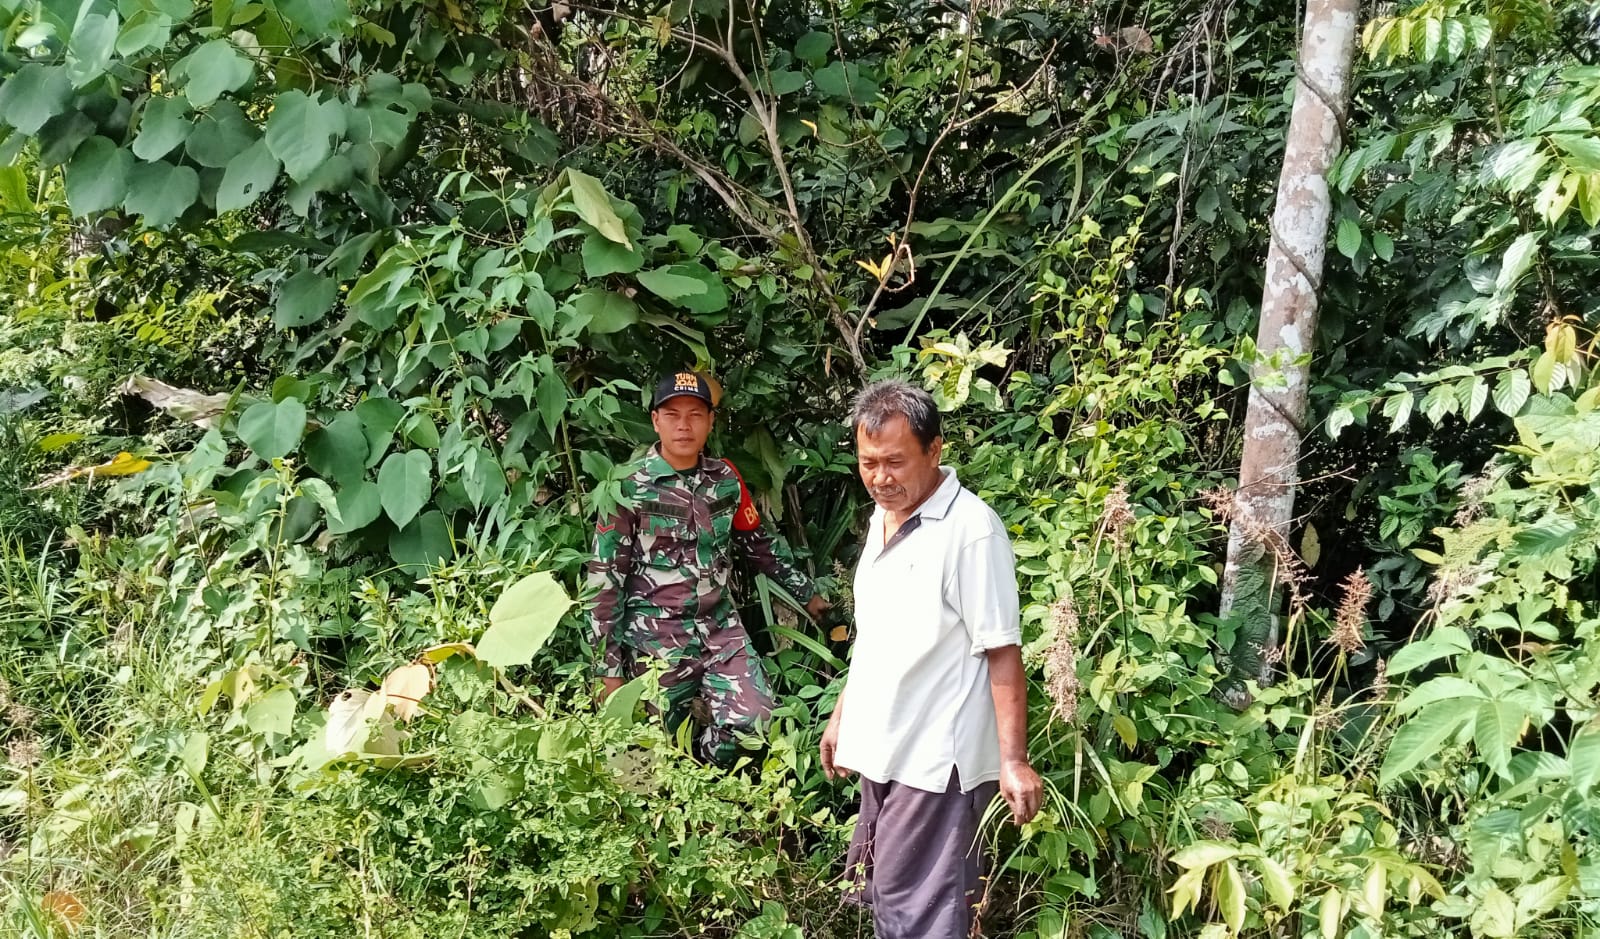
622	702
163	126
222	134
304	298
213	69
35	94
248	175
603	311
160	192
594	207
405	482
89	51
359	506
1421	737
522	620
552	397
379	417
1584	757
671	285
422	544
273	429
301	131
97	177
338	450
146	28
1497	727
602	256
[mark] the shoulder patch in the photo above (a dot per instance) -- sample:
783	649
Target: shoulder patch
746	518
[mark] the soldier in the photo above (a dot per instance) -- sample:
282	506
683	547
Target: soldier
661	566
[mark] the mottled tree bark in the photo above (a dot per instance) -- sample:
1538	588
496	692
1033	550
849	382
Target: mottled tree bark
1263	507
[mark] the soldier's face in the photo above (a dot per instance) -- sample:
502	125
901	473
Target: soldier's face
683	424
898	473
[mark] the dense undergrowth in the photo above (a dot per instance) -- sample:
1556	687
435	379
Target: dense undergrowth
323	329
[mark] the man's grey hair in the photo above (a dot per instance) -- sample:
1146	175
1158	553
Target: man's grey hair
883	401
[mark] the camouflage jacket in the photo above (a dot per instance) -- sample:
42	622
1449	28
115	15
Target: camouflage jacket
661	566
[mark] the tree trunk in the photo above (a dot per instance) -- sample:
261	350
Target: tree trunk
1263	507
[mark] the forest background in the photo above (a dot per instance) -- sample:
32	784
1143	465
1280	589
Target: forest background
325	328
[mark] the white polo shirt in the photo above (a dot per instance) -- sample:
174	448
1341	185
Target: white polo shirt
928	606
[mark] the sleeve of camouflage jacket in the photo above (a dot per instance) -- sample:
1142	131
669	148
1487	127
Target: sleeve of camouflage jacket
759	548
614	550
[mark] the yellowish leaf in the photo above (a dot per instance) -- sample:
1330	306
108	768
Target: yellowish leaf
436	654
839	633
1311	546
811	125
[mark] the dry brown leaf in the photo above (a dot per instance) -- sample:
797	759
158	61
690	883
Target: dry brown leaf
405	687
839	633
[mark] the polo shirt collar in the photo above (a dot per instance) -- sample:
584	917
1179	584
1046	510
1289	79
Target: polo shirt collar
937	506
657	467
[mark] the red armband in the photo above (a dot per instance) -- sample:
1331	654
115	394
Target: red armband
745	518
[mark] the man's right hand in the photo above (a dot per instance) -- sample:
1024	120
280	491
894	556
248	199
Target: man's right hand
610	685
830	743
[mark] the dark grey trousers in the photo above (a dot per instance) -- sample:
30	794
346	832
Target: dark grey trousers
915	859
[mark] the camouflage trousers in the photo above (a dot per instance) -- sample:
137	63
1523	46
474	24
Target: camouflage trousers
718	679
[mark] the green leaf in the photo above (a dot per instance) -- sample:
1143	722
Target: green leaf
670	286
97	176
1472	394
813	48
221	134
271	429
1349	237
623	702
405	483
833	80
1203	854
304	298
1280	886
379	417
786	82
603	311
1497	727
213	69
422	544
163	126
1443	641
1398	410
602	256
1496	915
523	620
594	207
552	398
1518	259
1231	897
271	714
89	51
712	299
1511	391
1536	899
160	192
35	94
359	506
1584	757
145	29
315	17
301	131
1338	419
1421	737
248	175
338	449
1383	246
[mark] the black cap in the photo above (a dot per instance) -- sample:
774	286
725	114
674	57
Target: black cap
682	385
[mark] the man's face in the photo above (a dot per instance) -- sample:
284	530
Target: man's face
683	424
897	471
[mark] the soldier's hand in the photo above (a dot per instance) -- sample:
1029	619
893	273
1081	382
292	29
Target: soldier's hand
610	685
817	606
830	743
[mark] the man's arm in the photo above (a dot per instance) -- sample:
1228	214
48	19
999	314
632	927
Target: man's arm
758	548
1020	786
830	743
614	550
986	585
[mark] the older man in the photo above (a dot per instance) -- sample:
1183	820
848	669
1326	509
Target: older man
934	713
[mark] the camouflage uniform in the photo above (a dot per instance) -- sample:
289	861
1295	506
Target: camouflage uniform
661	568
